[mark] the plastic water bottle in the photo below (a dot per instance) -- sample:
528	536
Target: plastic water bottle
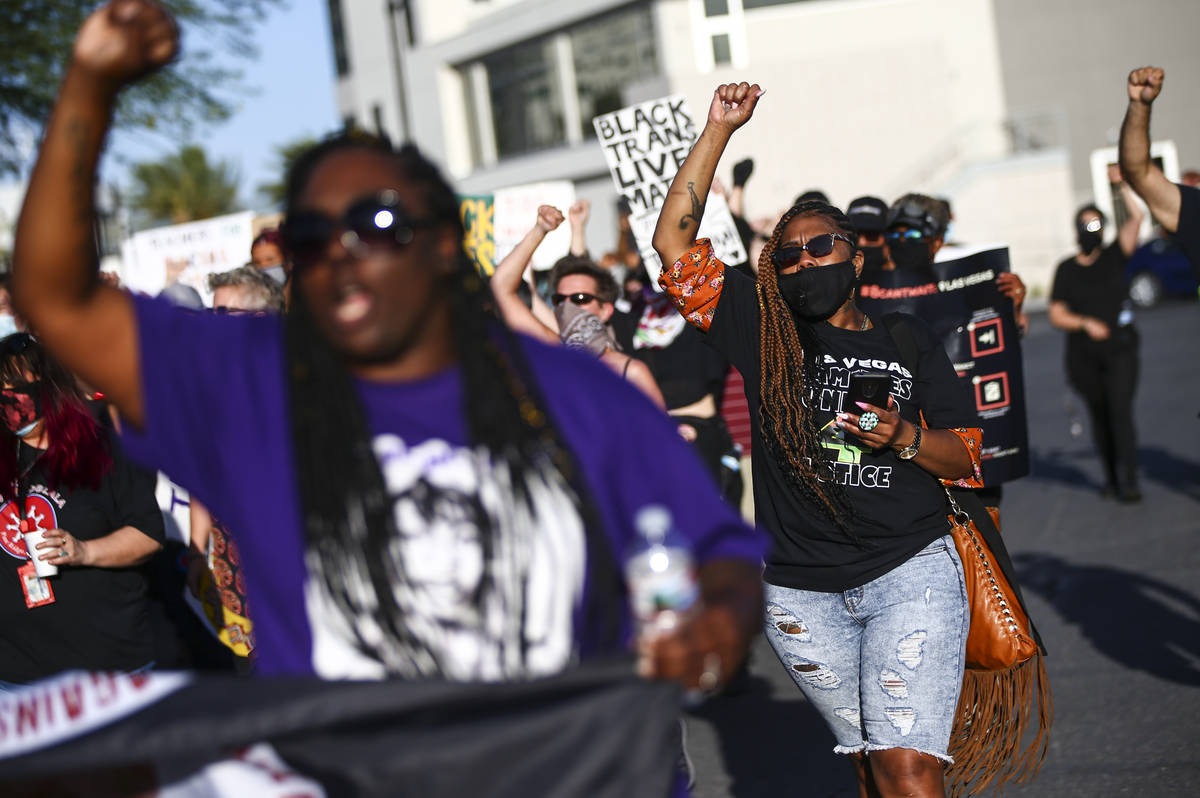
660	572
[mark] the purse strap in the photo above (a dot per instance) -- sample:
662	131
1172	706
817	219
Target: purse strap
974	510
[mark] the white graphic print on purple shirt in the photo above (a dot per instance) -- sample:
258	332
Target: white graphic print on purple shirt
442	496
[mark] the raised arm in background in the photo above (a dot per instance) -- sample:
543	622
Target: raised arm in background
732	106
507	278
737	195
88	325
578	215
1127	236
1160	194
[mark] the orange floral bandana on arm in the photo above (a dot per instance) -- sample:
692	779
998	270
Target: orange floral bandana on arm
694	283
972	438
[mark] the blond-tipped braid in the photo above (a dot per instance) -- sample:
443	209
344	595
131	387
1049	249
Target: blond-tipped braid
787	367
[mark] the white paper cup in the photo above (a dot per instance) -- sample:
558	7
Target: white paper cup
41	567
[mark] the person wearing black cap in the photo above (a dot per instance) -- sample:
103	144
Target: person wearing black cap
916	226
916	230
868	218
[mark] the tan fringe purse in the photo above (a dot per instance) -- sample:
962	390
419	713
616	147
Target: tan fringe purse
1005	674
1005	670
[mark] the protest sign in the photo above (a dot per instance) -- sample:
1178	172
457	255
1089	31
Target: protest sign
515	211
204	734
186	253
479	240
644	146
959	300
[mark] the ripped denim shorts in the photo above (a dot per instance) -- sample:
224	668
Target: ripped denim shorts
882	663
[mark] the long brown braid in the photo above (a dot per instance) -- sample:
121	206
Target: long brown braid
789	356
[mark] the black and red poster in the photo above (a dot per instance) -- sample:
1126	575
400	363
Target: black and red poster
960	301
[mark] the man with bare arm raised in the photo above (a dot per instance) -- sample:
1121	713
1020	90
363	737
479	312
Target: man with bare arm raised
1175	207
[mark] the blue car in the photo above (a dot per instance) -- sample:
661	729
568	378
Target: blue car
1159	269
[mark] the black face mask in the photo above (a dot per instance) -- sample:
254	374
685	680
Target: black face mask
817	292
1088	240
873	258
910	254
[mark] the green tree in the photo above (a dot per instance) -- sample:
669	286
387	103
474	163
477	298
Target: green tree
35	43
285	155
183	187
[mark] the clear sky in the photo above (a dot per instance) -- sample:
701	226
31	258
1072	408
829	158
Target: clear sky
294	89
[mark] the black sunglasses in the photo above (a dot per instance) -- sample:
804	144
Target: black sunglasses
373	222
911	234
579	298
817	246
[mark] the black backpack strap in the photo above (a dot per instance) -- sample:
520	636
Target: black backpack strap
910	355
904	339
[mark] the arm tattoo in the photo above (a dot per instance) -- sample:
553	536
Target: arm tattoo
697	208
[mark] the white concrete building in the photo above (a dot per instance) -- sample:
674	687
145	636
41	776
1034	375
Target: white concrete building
995	104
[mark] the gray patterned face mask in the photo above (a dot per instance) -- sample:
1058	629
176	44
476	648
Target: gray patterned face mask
276	273
578	329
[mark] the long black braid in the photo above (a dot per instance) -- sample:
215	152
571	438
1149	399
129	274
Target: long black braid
344	499
790	364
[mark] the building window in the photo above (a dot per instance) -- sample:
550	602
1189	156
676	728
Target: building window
612	53
341	58
721	51
716	8
527	105
749	4
543	93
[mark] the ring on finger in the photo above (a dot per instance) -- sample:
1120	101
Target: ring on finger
868	421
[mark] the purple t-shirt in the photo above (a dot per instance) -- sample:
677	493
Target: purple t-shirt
217	422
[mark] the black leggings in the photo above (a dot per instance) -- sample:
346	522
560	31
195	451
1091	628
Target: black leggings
1105	374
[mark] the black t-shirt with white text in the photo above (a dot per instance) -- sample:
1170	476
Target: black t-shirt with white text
98	617
900	507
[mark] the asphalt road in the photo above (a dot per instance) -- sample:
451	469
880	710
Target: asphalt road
1114	589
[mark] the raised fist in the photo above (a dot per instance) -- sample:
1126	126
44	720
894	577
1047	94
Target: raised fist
733	104
126	40
578	212
742	171
549	217
1145	84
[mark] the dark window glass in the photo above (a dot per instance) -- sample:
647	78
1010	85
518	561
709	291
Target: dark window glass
720	44
341	58
611	53
749	4
716	8
526	100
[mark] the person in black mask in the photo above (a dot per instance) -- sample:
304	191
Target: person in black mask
916	232
1090	300
916	229
848	491
868	217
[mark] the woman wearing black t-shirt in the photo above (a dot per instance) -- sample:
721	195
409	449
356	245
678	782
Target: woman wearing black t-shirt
865	602
1090	301
60	474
